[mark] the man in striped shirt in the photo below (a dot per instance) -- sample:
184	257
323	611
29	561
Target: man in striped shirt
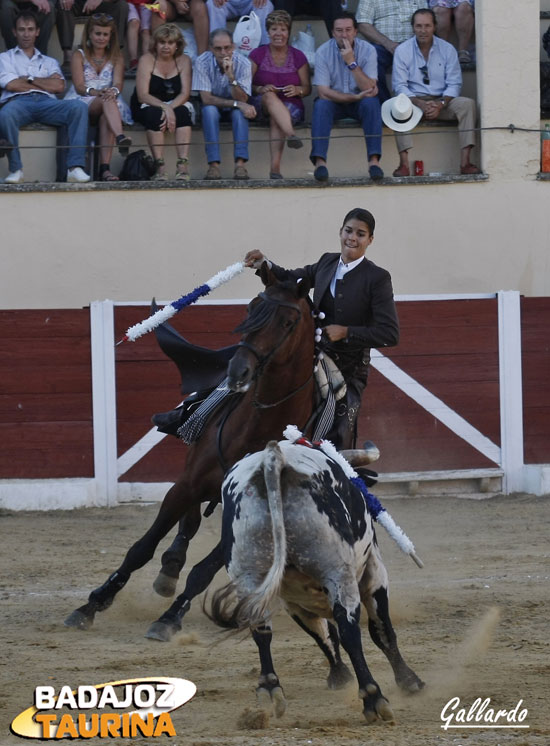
386	23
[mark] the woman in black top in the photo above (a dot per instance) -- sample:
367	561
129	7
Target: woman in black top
158	103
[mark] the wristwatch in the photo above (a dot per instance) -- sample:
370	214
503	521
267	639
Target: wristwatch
235	104
235	82
352	65
30	78
88	89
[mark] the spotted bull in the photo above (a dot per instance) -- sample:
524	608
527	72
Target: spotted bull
296	528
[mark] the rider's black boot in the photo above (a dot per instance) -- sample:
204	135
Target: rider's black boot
168	422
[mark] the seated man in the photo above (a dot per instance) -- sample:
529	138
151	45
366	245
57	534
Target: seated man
30	82
345	75
462	11
221	11
386	23
44	11
69	10
426	69
223	78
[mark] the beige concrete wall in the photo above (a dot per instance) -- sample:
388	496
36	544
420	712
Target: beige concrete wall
71	248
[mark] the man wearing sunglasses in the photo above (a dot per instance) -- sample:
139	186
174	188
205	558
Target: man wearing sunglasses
69	10
427	70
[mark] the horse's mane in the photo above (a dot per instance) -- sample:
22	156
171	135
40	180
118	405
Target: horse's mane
262	309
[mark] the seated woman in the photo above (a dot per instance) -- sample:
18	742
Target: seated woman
97	71
280	80
159	101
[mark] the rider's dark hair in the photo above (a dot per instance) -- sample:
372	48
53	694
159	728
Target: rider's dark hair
358	213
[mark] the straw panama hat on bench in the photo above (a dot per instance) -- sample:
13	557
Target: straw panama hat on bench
400	114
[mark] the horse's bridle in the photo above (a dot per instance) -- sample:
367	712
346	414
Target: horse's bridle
264	359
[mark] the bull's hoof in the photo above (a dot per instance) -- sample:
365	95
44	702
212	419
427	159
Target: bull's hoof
375	705
161	631
79	620
164	585
271	701
339	676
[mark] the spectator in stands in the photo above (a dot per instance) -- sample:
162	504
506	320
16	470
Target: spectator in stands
69	10
386	23
462	12
160	100
326	9
345	74
30	82
221	11
138	34
426	69
44	12
193	11
280	80
356	297
97	70
223	78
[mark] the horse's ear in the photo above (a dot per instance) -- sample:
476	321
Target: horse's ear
266	275
304	286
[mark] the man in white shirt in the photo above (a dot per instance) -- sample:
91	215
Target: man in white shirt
30	82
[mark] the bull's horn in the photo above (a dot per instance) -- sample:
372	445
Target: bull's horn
359	457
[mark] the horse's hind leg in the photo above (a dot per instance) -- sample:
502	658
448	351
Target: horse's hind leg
137	556
199	579
326	636
374	595
269	692
173	559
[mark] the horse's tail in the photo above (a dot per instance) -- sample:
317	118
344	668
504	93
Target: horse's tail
253	609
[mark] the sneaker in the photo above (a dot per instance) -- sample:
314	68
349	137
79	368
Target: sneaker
293	141
240	173
376	173
77	175
213	172
15	177
321	173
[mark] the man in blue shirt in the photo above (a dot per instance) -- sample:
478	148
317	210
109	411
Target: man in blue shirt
427	70
223	78
345	76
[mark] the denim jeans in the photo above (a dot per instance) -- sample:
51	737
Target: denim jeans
385	63
211	116
37	107
366	111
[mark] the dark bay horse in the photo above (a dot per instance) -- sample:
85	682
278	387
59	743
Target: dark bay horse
273	370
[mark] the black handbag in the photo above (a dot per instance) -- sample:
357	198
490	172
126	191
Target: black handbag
138	166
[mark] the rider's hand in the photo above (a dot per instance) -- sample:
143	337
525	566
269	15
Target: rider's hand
254	259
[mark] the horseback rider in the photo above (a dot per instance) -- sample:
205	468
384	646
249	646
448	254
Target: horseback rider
356	297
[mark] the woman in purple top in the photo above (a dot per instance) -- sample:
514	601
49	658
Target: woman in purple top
280	80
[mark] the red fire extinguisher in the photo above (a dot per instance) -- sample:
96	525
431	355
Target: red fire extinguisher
545	156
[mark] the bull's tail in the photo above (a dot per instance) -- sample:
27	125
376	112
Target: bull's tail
253	609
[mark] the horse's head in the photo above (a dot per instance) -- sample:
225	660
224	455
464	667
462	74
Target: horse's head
278	332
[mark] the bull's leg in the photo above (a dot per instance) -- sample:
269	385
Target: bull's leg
199	579
375	705
374	595
173	559
326	636
137	556
269	692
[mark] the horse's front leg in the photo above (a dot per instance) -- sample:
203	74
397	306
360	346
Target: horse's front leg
200	577
173	559
137	556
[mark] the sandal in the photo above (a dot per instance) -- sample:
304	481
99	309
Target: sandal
123	143
182	173
159	175
464	57
108	175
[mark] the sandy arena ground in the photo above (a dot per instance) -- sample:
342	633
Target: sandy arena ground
473	623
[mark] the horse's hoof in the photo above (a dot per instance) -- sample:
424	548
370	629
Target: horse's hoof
339	677
164	585
79	620
161	631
